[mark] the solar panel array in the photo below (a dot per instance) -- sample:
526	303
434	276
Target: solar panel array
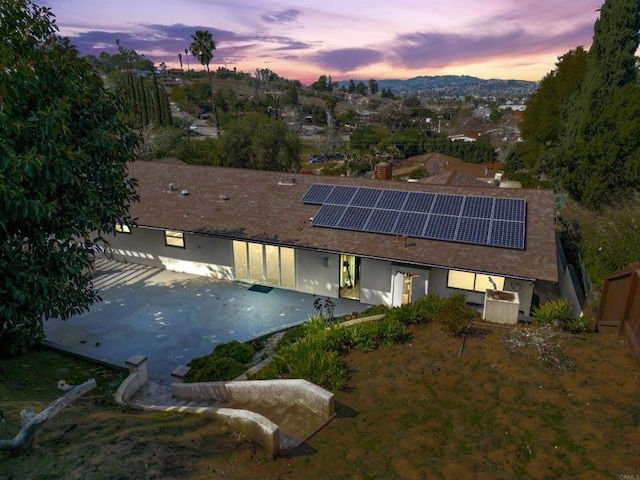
498	222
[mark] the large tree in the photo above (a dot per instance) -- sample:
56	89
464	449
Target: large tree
64	148
259	142
202	48
611	62
580	124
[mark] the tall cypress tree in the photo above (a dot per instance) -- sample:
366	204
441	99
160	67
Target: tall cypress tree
598	151
611	62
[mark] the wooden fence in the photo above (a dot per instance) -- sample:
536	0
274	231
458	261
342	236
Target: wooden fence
620	304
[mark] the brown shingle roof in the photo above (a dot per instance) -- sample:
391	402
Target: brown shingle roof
262	206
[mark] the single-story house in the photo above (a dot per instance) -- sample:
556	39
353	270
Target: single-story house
374	241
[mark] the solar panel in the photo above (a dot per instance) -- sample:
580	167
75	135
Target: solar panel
382	221
441	227
317	193
411	223
354	218
366	197
498	222
392	199
477	207
473	230
419	202
341	195
513	209
507	234
447	204
328	216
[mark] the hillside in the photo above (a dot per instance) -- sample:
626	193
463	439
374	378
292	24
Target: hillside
454	85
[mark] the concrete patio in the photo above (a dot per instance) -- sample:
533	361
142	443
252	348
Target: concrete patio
173	317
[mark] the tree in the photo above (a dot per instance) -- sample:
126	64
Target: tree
257	141
373	86
611	62
549	110
361	88
64	150
202	48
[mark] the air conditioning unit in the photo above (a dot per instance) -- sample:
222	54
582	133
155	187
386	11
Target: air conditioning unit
501	307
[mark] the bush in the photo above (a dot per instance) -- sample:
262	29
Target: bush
429	305
373	310
226	362
553	313
455	316
291	336
214	369
240	352
584	324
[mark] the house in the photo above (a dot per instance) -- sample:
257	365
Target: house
254	226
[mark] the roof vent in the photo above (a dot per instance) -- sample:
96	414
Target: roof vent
288	181
222	198
184	193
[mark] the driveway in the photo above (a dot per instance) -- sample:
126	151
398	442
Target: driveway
173	317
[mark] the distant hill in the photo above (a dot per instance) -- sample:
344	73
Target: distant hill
453	86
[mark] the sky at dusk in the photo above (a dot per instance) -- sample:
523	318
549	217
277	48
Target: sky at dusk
348	39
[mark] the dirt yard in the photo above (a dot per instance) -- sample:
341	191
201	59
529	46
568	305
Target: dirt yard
414	411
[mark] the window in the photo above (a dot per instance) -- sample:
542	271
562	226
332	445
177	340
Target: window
122	228
174	239
477	282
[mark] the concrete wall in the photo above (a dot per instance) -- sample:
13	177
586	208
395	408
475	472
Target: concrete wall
375	281
254	426
271	392
315	275
202	255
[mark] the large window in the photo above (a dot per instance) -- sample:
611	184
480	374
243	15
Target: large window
476	282
123	228
264	263
174	239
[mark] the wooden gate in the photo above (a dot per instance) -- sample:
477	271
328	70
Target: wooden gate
620	304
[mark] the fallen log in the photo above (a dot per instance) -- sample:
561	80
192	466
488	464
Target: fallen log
31	421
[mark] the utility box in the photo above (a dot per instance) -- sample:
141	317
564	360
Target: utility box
501	307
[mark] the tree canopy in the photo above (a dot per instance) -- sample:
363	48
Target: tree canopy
579	127
64	148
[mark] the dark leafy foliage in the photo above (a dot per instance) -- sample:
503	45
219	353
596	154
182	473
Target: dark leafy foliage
64	148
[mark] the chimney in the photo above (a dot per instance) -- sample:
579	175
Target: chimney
383	171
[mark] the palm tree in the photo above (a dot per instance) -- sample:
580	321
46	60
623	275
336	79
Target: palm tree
202	48
186	54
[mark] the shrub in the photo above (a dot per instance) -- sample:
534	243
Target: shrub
429	305
315	324
240	352
459	297
407	314
455	316
583	324
373	310
291	336
214	369
554	312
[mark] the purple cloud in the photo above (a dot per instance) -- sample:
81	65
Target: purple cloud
281	17
346	59
437	50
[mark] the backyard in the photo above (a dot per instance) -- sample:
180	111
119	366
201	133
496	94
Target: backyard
428	408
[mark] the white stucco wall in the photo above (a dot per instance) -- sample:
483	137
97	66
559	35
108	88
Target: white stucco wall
315	275
375	281
202	255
